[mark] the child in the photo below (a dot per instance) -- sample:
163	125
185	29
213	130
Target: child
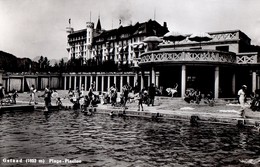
140	100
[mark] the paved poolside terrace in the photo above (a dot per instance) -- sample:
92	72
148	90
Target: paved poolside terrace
167	108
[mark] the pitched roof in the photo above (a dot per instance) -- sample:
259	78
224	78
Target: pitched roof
139	29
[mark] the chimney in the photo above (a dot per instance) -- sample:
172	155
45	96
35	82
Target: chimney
164	24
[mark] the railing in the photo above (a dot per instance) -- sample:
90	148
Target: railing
176	56
247	58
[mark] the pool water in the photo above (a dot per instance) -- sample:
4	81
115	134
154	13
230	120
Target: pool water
101	140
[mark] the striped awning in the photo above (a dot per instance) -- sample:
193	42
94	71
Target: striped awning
111	50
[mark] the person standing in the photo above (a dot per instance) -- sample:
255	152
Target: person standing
140	98
32	95
47	97
113	94
197	95
91	94
242	98
126	89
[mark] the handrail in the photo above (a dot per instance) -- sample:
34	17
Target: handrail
188	55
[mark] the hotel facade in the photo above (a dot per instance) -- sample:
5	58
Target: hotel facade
220	65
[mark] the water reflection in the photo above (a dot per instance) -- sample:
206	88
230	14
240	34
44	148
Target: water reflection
101	140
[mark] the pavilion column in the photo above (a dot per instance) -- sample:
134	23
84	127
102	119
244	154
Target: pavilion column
136	77
121	83
49	81
37	83
253	81
258	81
142	80
21	84
91	79
85	86
153	77
115	81
234	84
80	82
149	80
216	85
8	85
65	82
97	83
102	83
157	80
108	82
128	79
75	82
183	80
69	81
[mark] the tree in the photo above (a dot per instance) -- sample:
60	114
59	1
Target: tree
46	64
40	61
62	65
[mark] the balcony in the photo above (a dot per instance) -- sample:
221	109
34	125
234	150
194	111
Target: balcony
200	56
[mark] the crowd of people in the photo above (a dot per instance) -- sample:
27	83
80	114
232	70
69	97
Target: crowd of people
128	94
195	96
83	99
9	98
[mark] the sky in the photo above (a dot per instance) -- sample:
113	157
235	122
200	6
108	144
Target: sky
30	28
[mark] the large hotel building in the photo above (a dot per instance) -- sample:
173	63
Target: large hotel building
220	65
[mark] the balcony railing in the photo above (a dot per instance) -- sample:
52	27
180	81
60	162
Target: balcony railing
247	58
178	56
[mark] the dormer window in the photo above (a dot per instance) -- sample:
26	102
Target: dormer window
125	35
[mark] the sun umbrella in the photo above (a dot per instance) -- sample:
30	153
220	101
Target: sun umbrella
152	39
174	36
199	37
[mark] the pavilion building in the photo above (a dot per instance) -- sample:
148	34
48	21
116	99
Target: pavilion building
221	65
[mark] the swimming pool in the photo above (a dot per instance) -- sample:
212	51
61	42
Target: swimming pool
101	140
